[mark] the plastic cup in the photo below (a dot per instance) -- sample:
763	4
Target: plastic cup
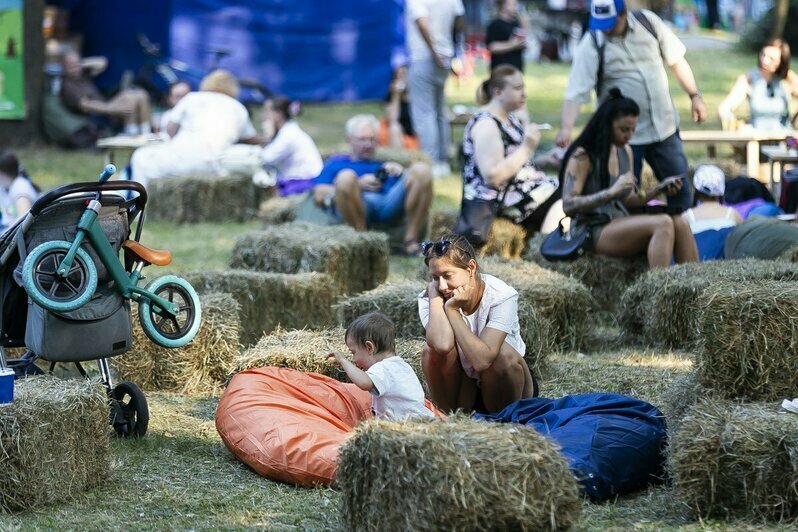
6	385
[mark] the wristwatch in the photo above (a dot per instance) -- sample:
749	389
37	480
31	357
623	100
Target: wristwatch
696	93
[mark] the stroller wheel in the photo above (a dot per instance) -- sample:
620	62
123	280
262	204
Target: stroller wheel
129	412
168	331
50	290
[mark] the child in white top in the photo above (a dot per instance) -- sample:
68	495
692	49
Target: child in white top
396	392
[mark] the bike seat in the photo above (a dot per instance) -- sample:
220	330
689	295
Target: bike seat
159	257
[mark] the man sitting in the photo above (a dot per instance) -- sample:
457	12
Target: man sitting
80	94
362	191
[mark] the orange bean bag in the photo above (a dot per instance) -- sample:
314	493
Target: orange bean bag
288	425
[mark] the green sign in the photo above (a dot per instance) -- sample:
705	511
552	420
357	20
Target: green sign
12	61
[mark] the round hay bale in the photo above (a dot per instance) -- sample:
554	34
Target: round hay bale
356	261
267	300
202	199
454	475
202	366
606	277
397	301
736	460
561	305
748	340
660	307
306	351
54	441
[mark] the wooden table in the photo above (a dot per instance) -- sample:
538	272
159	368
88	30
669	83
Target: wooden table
751	139
777	154
120	145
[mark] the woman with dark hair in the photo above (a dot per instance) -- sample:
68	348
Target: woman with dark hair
291	153
474	356
396	127
599	183
768	88
17	193
498	150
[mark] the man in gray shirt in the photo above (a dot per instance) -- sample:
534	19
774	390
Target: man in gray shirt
630	50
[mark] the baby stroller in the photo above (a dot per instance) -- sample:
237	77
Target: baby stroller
65	295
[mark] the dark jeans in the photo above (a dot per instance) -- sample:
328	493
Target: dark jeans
667	159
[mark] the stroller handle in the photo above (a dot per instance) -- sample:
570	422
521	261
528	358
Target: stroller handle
108	186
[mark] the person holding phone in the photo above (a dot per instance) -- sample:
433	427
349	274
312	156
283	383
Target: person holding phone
599	185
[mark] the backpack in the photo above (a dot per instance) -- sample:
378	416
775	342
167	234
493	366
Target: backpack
643	20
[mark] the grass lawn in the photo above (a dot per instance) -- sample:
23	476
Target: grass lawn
180	476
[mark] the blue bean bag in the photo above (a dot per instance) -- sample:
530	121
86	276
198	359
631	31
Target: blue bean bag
613	443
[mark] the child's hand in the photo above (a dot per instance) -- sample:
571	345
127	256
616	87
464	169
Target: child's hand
333	355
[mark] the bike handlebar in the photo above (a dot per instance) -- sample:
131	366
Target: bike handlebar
75	188
107	172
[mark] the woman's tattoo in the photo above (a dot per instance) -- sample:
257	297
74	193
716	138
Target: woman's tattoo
575	203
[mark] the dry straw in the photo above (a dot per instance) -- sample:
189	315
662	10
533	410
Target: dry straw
279	209
200	367
54	442
506	239
306	351
356	261
271	299
605	277
561	306
737	460
398	301
202	199
661	307
680	396
748	340
454	475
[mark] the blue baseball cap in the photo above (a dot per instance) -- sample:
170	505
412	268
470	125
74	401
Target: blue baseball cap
604	13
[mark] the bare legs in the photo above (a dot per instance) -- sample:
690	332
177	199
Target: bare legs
418	197
131	105
507	380
659	235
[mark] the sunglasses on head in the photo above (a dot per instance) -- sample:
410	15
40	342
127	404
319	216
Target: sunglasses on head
438	249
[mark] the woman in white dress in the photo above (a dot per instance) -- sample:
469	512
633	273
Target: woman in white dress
202	126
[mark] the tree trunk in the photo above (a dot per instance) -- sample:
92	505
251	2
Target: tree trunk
780	8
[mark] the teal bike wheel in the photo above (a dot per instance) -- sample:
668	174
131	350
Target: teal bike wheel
171	331
49	289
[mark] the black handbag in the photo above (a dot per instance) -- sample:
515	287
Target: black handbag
562	245
476	219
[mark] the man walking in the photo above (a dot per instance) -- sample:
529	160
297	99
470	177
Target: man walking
430	25
629	51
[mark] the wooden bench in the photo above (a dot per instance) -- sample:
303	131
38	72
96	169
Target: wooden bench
751	139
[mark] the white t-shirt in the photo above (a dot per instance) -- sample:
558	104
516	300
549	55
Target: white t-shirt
440	15
21	187
293	153
397	392
497	310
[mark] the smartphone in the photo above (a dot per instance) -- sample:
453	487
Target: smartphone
665	183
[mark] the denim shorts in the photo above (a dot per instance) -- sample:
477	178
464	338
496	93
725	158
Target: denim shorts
383	207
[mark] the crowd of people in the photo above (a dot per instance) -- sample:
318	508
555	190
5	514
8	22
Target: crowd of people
473	356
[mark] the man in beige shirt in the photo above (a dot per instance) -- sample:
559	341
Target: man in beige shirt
636	47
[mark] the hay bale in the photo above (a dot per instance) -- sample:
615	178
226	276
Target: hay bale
202	199
355	260
506	239
442	223
271	299
684	391
791	255
748	340
660	307
454	475
280	209
606	277
54	442
200	367
398	301
736	460
561	305
306	351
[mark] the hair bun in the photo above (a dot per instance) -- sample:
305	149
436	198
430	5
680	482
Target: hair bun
615	92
